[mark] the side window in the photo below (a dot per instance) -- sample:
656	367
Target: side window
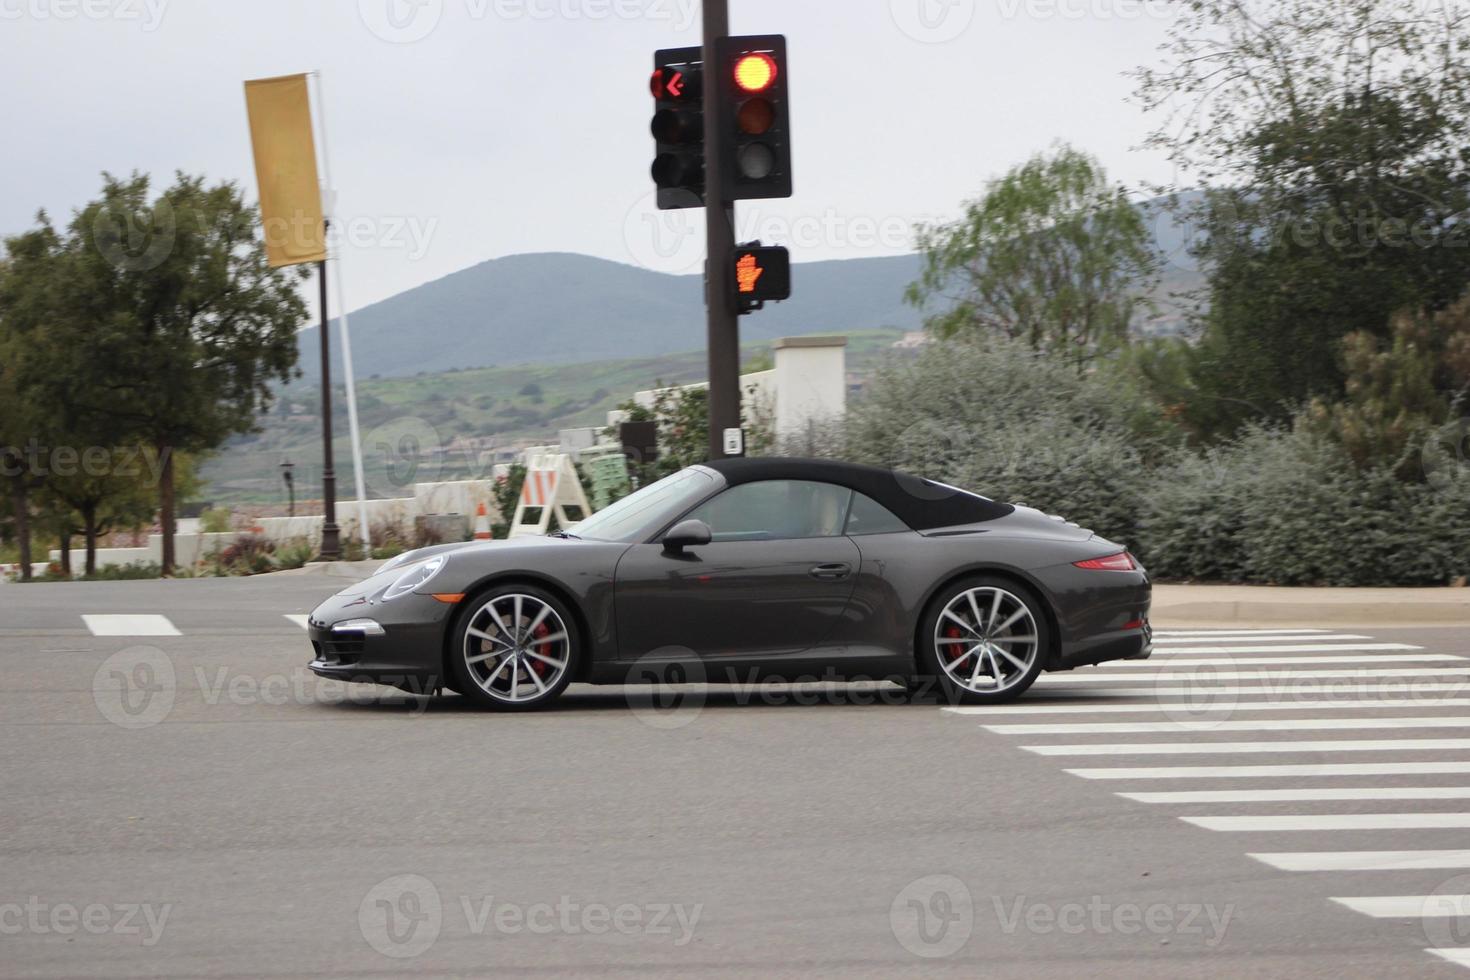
776	509
870	517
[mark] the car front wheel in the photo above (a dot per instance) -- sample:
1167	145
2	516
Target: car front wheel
984	641
514	648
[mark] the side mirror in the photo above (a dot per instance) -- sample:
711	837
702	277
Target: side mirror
687	534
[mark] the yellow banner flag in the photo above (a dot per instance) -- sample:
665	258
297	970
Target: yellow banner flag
285	168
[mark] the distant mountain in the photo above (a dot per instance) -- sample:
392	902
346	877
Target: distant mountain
559	307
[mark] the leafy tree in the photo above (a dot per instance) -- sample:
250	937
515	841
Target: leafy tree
1329	135
183	324
1052	254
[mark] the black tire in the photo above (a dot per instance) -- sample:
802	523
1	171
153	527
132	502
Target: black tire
992	655
493	653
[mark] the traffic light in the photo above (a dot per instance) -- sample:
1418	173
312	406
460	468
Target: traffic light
756	145
678	127
762	274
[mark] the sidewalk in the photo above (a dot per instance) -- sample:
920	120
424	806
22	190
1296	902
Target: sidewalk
1177	606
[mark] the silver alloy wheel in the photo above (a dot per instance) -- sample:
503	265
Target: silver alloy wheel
986	640
516	648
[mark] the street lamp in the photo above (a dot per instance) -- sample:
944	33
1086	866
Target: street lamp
286	474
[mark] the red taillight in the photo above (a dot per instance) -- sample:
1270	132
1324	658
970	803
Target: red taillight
1121	562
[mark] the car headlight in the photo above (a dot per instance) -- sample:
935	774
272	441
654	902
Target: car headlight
415	577
393	563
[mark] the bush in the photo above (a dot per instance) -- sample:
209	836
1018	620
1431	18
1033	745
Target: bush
1000	419
1282	505
216	520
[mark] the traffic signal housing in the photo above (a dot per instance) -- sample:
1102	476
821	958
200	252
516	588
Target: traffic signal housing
762	275
677	85
755	145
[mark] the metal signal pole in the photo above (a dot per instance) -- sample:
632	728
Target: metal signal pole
331	533
719	217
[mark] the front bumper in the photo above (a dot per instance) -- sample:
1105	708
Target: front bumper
404	648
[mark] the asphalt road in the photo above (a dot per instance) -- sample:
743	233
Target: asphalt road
197	805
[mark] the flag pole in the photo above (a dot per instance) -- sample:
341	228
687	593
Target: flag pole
352	426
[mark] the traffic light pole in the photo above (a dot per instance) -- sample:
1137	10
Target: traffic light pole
723	325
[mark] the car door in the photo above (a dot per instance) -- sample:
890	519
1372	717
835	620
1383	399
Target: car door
773	582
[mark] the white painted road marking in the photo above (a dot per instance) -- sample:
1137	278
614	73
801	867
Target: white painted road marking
1270	772
1169	641
1304	795
1366	860
1201	706
1158	634
1251	748
1409	906
130	625
1172	662
1334	821
1460	957
1253	725
1293	648
1296	687
298	618
1114	677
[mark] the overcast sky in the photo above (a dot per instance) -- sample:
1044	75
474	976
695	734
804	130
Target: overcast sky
465	130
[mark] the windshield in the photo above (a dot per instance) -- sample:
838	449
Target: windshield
633	515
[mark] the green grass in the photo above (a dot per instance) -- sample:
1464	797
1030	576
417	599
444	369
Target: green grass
507	405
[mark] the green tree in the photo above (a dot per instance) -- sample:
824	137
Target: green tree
1329	138
183	323
1052	253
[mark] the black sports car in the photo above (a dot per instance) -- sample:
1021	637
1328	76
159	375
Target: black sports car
742	568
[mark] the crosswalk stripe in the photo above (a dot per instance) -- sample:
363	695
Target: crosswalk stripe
1113	677
1366	860
1460	957
1251	748
1307	686
298	618
1334	821
1238	632
1172	662
1409	906
1264	641
130	625
1202	706
1252	725
1289	648
1277	771
1304	795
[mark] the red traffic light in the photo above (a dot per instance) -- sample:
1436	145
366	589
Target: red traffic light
674	84
755	72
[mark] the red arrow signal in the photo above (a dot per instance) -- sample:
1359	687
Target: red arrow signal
675	85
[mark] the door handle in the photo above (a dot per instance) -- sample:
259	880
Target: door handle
836	570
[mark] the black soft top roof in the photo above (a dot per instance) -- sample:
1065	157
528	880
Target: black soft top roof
921	504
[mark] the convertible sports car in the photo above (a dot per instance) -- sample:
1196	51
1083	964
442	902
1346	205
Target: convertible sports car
742	568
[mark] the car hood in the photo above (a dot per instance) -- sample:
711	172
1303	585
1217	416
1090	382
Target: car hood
516	548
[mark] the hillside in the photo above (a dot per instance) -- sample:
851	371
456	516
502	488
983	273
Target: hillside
462	412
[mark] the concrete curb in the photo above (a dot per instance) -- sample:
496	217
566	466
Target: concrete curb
1176	606
336	569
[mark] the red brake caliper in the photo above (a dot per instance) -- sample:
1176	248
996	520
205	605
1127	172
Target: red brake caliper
536	665
954	650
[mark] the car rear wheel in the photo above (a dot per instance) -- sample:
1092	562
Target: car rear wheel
514	648
984	641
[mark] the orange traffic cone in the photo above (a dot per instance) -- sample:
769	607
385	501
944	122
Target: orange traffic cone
482	524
